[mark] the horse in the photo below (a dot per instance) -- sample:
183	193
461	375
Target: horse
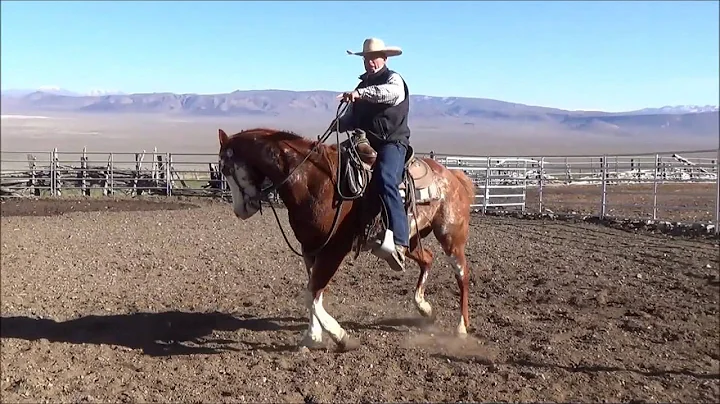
307	176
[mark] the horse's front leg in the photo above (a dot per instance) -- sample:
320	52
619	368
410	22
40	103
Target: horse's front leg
313	336
326	265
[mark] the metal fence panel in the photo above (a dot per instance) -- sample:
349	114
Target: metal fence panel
595	184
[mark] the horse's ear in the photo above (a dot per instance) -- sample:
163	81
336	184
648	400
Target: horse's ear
223	137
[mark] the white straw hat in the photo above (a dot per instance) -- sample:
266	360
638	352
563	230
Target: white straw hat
377	45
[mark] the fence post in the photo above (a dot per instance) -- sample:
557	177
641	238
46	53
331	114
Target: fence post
540	188
106	181
136	175
655	185
84	173
567	171
168	175
486	192
161	171
112	174
525	184
33	183
603	173
717	195
52	174
57	177
154	169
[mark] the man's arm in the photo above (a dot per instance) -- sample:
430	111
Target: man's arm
393	92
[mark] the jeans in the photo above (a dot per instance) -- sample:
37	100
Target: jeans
387	176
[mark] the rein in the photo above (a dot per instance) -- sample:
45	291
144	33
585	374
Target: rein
264	193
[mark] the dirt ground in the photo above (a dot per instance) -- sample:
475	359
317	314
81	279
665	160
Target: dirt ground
140	301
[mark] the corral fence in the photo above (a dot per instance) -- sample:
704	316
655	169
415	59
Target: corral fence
680	186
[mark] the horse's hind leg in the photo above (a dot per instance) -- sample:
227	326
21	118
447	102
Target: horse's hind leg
453	241
424	259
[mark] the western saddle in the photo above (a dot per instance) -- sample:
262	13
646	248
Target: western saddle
358	160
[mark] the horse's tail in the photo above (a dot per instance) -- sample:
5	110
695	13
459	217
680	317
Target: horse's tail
466	182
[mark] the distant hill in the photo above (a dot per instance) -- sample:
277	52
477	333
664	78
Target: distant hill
439	112
676	109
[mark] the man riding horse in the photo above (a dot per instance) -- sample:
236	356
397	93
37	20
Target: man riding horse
325	221
379	106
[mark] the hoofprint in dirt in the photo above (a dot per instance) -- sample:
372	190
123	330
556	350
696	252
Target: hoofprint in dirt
194	305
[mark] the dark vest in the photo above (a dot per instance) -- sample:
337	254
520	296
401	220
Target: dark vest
382	122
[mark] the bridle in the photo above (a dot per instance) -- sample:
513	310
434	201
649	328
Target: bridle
265	192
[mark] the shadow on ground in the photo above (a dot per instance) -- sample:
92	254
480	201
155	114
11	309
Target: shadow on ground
174	332
156	334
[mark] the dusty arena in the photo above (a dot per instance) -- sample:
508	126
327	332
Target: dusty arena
139	301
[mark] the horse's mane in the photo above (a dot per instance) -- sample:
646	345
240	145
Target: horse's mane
282	135
323	150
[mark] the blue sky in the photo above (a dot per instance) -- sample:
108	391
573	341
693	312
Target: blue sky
574	55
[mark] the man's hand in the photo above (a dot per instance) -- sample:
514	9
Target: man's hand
349	96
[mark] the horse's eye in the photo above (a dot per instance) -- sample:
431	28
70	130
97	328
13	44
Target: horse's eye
229	153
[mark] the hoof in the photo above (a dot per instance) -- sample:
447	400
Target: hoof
430	318
308	344
348	344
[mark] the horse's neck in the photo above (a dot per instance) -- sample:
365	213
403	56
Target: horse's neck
291	171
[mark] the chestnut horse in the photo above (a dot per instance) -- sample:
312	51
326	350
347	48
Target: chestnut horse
305	176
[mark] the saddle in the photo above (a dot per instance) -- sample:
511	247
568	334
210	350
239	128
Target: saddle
358	159
417	174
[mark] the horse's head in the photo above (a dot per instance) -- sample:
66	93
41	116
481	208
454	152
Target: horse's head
238	165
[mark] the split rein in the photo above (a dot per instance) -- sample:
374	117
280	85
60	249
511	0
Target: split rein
334	127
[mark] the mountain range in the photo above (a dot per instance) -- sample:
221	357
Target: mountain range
426	111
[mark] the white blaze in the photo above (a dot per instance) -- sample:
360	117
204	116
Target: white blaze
242	209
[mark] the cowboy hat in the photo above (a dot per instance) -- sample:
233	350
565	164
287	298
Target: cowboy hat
377	45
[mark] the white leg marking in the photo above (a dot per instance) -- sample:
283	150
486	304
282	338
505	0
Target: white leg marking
326	321
314	331
422	305
461	329
459	272
313	335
